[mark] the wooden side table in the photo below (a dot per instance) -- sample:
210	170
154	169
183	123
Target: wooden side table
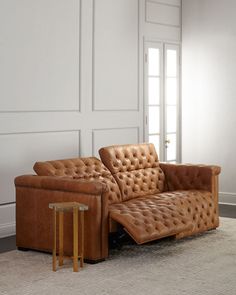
77	209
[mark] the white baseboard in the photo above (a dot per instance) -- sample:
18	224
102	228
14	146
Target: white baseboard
227	198
7	220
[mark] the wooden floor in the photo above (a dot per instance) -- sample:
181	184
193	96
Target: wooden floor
9	243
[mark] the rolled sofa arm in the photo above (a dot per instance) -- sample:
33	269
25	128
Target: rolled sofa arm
188	176
66	184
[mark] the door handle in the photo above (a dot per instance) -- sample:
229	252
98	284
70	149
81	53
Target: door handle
167	142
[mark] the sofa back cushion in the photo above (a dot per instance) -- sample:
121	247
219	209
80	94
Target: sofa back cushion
135	168
89	168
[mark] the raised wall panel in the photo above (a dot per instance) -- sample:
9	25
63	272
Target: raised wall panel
116	54
106	137
159	32
39	55
19	152
169	2
160	13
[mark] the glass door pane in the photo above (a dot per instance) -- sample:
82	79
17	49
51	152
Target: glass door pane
154	120
155	139
171	119
171	102
154	78
153	62
171	91
171	62
171	147
153	90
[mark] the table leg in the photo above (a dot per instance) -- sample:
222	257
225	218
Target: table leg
75	239
82	238
54	252
61	237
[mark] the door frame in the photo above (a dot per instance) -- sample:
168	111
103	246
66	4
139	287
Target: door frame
163	45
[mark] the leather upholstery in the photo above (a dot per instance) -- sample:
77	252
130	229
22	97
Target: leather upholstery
182	176
135	168
81	168
150	218
166	214
191	190
34	220
84	180
197	205
63	184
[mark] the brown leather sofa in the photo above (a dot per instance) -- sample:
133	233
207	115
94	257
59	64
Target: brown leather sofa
151	200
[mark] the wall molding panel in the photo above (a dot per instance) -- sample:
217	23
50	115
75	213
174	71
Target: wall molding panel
175	3
105	105
19	152
105	137
162	14
7	229
45	70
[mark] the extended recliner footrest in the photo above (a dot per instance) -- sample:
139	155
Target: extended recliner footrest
149	219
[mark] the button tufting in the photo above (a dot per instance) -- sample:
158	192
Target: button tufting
147	182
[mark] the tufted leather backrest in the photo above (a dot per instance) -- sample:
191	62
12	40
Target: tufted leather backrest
89	168
135	168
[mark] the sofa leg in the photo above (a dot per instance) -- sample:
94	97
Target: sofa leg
179	236
90	261
22	249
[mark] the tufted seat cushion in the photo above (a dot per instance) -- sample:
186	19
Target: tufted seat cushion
89	168
150	218
135	168
197	205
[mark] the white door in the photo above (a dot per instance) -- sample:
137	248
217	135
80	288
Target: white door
162	107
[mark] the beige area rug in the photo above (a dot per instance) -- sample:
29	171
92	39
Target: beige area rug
205	264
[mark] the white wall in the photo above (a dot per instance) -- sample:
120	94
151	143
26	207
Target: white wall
71	80
209	88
